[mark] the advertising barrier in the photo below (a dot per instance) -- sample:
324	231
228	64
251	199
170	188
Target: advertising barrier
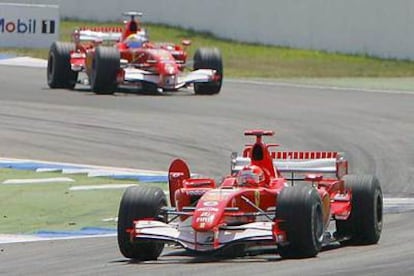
380	28
28	26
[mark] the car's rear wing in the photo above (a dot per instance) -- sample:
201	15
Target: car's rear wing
97	34
298	163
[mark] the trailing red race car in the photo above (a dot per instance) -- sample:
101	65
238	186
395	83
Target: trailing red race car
295	201
132	60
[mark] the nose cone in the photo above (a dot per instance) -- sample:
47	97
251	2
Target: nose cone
205	219
209	212
169	68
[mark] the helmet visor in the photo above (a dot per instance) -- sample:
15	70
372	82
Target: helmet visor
247	177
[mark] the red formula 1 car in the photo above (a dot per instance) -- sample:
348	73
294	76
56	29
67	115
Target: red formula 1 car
295	202
131	59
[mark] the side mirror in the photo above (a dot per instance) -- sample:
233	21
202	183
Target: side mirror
314	179
76	36
186	42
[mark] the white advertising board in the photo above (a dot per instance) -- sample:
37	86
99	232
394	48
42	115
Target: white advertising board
381	28
28	26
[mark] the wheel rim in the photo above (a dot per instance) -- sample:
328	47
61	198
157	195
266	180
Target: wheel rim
50	66
93	73
378	212
317	225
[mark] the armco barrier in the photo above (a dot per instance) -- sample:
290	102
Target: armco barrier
376	27
28	26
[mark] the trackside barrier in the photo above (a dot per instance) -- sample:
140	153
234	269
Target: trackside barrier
28	26
375	27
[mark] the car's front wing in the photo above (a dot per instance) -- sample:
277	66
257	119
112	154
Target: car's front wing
184	235
132	75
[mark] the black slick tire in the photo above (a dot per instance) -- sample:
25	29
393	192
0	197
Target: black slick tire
150	88
208	58
59	72
300	209
139	202
364	225
105	66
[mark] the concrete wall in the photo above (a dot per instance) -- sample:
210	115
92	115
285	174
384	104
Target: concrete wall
381	28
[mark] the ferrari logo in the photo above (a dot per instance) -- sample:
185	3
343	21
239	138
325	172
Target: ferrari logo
136	56
257	197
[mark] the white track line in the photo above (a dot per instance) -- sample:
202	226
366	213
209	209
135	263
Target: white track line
320	87
38	180
24	61
83	166
28	238
100	187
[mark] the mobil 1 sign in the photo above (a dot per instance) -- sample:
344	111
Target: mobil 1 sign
28	26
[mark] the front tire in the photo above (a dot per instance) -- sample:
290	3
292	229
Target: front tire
105	66
208	58
139	202
59	72
364	225
300	209
150	88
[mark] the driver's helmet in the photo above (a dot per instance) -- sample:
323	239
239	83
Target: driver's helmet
135	41
250	176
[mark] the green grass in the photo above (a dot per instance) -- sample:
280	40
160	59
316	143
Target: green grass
26	208
244	60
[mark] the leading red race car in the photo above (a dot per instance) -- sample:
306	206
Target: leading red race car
271	199
131	60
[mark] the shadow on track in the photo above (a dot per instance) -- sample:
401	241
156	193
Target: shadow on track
180	256
125	91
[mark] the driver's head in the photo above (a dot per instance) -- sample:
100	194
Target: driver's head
250	176
134	41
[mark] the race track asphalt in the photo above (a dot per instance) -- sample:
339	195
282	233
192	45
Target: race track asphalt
375	129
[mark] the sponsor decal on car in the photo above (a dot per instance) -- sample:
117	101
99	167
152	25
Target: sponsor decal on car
210	203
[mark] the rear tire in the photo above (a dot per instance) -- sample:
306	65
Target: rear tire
300	209
364	226
105	66
139	202
59	72
208	58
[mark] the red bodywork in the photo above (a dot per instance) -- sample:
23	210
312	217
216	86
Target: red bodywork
161	59
246	213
